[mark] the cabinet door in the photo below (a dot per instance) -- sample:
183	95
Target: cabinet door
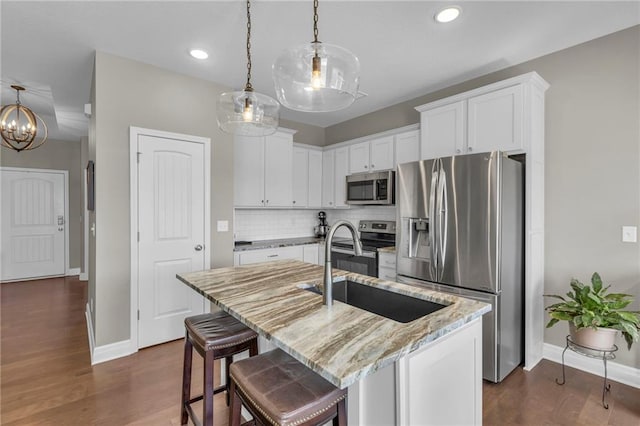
328	178
310	253
341	172
314	198
300	177
495	120
407	147
278	170
382	153
248	171
443	131
359	157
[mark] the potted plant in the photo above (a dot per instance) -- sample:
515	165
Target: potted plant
595	315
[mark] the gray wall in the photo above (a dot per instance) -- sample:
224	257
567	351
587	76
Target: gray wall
306	133
592	161
57	155
129	93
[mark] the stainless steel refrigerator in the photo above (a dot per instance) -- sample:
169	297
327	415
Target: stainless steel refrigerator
460	230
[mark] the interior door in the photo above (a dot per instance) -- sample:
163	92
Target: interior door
171	219
33	224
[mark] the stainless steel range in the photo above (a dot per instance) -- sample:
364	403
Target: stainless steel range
373	235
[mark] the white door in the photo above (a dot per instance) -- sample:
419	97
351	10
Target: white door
171	223
33	224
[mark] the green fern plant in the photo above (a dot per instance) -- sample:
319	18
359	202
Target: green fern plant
591	306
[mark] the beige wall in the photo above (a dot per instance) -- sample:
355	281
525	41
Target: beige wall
57	155
129	93
592	161
306	133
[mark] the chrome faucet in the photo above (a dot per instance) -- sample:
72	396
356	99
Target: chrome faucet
327	296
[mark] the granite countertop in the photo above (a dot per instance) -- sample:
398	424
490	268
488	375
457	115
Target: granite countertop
282	242
342	343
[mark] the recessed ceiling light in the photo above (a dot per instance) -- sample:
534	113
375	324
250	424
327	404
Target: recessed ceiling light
198	53
448	14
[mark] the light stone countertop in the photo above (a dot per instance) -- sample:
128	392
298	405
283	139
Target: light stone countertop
281	242
343	344
391	249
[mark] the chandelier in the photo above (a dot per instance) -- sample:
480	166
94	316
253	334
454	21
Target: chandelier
246	112
316	77
19	126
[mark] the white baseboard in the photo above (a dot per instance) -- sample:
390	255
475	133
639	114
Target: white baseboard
92	340
106	352
73	271
111	351
615	371
84	276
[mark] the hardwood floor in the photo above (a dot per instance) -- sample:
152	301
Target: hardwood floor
47	378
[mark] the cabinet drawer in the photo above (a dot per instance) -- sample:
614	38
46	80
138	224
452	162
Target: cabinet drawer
268	255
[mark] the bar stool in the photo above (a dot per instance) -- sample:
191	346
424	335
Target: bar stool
214	336
278	390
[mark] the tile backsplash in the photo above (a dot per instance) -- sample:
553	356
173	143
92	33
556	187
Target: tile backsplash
264	224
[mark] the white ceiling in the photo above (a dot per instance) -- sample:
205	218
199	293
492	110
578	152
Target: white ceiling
48	46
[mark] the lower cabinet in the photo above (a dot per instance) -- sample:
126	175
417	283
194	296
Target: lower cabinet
387	266
305	253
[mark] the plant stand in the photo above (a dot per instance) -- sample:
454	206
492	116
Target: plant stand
604	355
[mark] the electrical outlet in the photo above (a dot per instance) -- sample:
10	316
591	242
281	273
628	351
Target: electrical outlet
629	234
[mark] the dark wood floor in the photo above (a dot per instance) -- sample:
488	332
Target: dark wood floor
47	377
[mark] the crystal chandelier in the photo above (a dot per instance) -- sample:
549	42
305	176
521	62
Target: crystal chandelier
247	112
316	77
19	126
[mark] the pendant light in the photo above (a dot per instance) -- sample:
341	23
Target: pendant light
19	126
246	112
316	77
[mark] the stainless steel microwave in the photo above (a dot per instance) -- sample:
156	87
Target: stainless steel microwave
371	188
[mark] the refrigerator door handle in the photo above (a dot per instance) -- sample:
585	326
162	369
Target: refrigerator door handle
442	219
432	218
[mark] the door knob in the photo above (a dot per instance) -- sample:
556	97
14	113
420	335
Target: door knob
198	247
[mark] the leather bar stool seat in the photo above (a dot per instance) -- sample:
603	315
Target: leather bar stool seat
214	336
278	390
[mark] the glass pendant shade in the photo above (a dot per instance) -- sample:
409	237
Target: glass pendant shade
247	113
316	77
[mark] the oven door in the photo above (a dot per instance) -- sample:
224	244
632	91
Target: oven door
345	259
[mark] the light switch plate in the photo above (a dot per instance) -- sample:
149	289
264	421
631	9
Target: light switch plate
223	226
629	234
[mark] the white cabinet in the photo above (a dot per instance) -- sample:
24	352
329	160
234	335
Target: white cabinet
407	147
495	120
376	154
300	182
315	178
307	253
335	168
307	177
328	178
263	170
443	130
387	266
479	123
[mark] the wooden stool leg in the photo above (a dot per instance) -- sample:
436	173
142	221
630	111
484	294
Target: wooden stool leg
341	418
186	380
227	362
207	402
234	411
253	347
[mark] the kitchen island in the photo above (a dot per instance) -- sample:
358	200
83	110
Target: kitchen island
427	371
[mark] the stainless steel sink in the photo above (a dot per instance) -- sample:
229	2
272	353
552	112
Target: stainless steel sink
394	306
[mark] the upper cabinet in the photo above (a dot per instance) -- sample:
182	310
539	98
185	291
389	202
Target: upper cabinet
373	155
407	147
307	176
335	168
263	170
486	119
